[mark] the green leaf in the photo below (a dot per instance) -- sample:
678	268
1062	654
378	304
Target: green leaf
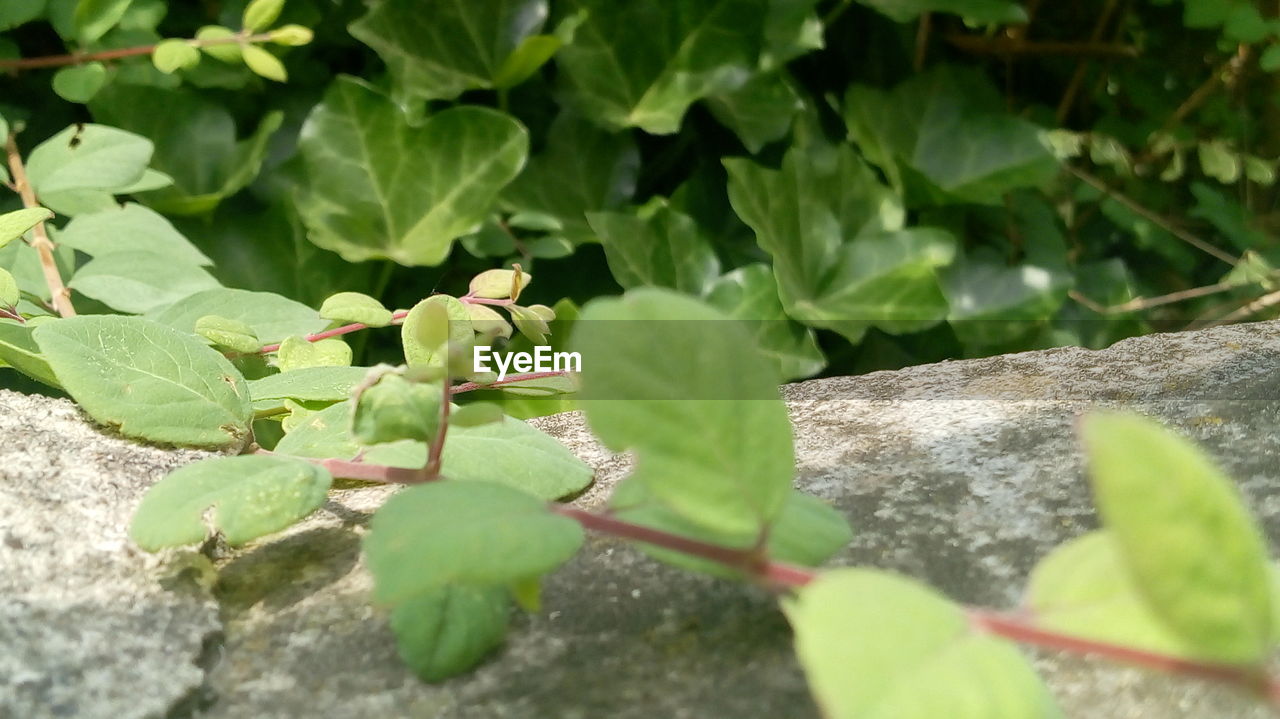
468	533
173	55
232	334
760	111
13	14
498	284
130	228
476	414
94	18
375	187
396	409
750	294
582	169
456	45
292	35
348	307
19	350
201	180
1219	161
79	83
309	384
977	11
1206	13
877	646
243	497
991	303
1245	24
261	14
139	281
147	380
1185	535
1270	60
297	353
733	472
437	323
271	316
942	137
15	224
532	53
263	63
656	246
621	77
447	630
226	52
807	532
87	157
9	293
840	258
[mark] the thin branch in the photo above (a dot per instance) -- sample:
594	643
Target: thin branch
396	319
1082	66
1143	303
1268	300
472	386
58	292
354	469
979	45
1164	223
79	58
923	30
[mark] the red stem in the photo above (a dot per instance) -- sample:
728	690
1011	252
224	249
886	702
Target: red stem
396	318
77	58
470	386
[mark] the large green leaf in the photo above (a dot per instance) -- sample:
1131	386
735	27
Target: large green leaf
250	496
272	317
750	294
130	228
139	281
147	380
993	303
447	630
582	169
760	111
681	385
463	533
841	259
942	137
1184	534
373	186
195	143
83	165
877	646
656	246
641	64
441	48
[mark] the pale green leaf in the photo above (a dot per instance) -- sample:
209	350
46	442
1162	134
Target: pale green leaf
348	307
532	53
88	157
9	293
79	83
232	334
243	497
19	350
226	52
435	326
447	630
15	224
147	380
297	353
263	63
130	228
93	18
750	294
138	281
173	55
310	384
261	14
271	316
395	409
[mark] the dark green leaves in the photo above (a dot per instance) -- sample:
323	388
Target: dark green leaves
733	473
463	533
442	48
147	380
875	645
622	77
1184	535
656	246
250	496
373	186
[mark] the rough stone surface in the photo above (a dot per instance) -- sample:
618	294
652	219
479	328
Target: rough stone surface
962	474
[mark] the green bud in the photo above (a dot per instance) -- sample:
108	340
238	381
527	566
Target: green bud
530	324
297	353
260	14
396	409
487	322
226	332
292	35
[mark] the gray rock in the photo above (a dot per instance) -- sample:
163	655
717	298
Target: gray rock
961	473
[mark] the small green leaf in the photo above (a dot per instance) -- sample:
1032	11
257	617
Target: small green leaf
88	157
292	35
226	52
19	350
225	332
486	322
310	384
447	630
80	83
15	224
530	323
437	323
149	381
1270	60
396	409
9	293
476	414
346	307
173	55
876	645
499	284
1219	161
532	53
297	353
656	246
469	533
244	497
272	317
264	63
1185	535
93	18
260	14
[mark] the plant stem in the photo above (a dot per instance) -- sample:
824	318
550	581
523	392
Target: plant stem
436	451
471	300
79	58
351	469
60	295
396	318
470	386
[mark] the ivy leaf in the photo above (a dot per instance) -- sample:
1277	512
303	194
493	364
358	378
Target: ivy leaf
139	281
582	169
272	317
656	246
346	307
19	350
15	224
469	533
79	83
250	496
733	474
750	294
876	645
1185	535
447	630
532	53
309	384
760	111
87	157
620	77
201	180
976	11
149	381
940	138
130	228
375	187
439	54
991	303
